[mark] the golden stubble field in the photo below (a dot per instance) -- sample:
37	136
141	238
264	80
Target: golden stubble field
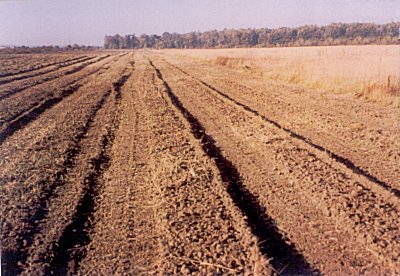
371	71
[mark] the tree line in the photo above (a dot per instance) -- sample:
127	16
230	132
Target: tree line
308	35
45	49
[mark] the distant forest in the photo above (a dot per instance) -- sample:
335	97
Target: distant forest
309	35
45	49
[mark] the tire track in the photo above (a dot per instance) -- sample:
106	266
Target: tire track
40	206
285	257
38	67
13	91
117	86
148	220
77	233
69	83
58	67
35	112
338	158
11	259
25	117
35	108
316	189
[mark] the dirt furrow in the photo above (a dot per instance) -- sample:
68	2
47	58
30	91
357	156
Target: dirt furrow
54	68
30	115
164	208
263	227
337	157
21	115
42	243
43	178
65	83
41	65
15	88
79	202
40	208
361	134
146	164
37	105
304	191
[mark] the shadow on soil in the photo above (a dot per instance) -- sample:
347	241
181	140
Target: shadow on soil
285	259
346	162
71	246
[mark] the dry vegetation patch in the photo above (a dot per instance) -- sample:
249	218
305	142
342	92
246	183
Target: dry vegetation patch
371	72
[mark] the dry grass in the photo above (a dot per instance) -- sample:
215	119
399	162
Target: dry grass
230	61
371	71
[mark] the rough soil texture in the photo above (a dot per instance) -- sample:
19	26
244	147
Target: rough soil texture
355	132
137	163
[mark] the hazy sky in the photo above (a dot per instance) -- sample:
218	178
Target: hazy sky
61	22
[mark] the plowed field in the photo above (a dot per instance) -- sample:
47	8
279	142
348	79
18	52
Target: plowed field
146	163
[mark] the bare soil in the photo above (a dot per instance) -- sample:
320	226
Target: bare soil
144	163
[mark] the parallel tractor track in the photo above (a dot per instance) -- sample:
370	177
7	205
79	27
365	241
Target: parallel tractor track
4	75
338	158
12	260
14	90
58	67
131	162
76	234
25	117
284	256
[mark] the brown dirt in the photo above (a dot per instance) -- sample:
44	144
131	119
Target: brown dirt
44	70
23	104
12	65
357	131
148	164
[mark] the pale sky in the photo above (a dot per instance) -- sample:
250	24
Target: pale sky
62	22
